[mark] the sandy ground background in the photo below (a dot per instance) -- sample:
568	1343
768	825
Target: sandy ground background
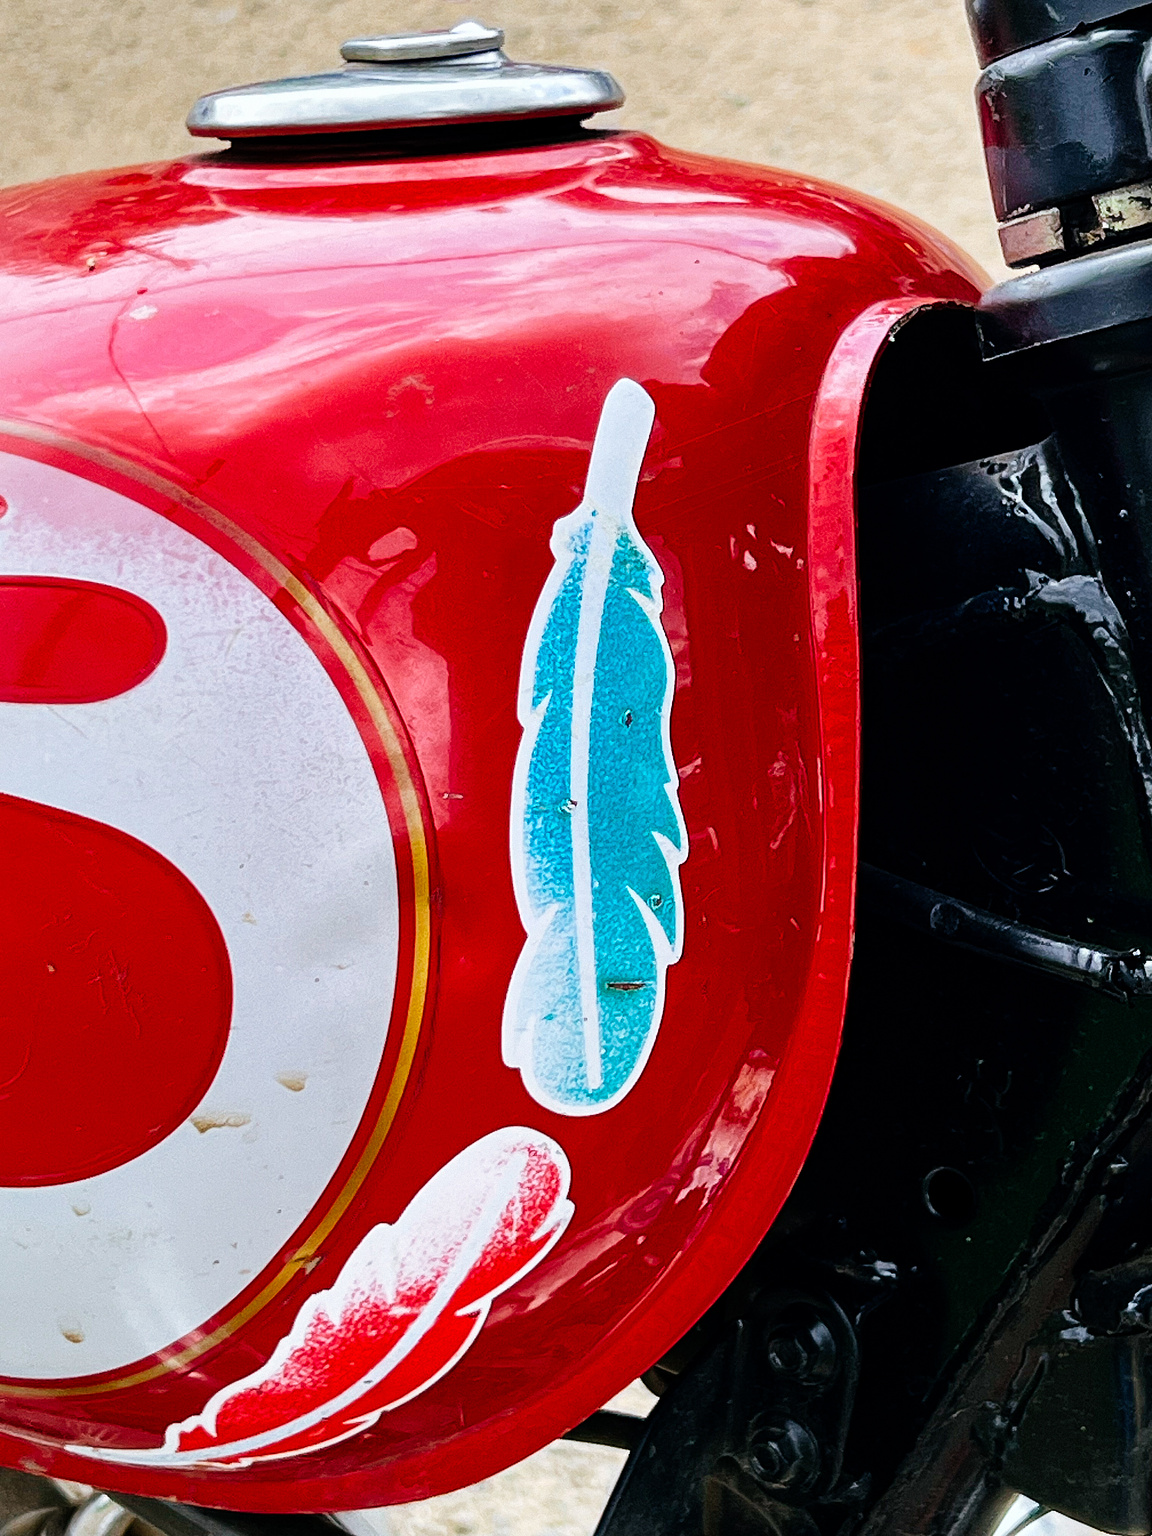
561	1491
876	94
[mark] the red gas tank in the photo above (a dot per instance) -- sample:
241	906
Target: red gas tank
428	766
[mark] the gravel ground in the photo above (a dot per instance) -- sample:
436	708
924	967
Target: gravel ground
873	93
558	1492
876	94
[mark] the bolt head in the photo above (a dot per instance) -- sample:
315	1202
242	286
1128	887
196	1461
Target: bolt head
801	1351
783	1456
767	1460
788	1355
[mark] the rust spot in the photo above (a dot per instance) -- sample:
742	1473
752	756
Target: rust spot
72	1332
293	1081
220	1120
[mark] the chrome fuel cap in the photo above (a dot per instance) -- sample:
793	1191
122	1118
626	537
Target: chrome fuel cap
405	47
407	80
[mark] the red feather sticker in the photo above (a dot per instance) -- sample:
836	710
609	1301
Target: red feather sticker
407	1305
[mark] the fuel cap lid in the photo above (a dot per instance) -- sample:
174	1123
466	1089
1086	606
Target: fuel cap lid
404	47
407	80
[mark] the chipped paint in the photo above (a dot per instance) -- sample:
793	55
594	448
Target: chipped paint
219	1120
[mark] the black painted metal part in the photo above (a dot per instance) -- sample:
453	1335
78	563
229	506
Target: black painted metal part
986	1154
1064	102
987	1149
1000	27
1063	119
750	1436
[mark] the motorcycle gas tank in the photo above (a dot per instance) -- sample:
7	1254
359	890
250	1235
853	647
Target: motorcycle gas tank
428	708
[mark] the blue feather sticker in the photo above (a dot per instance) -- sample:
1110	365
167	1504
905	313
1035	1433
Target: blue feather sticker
597	833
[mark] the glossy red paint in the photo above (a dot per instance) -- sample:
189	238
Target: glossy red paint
72	642
372	385
110	957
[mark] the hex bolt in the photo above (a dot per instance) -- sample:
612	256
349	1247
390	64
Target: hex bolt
802	1351
787	1355
784	1457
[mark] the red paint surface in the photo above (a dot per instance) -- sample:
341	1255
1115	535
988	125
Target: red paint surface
72	642
389	375
116	1000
